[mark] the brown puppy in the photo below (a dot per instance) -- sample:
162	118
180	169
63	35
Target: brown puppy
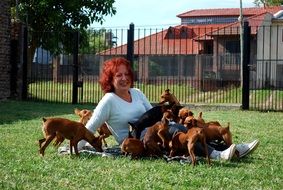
189	121
84	117
184	143
214	131
183	114
166	96
178	145
103	130
133	147
157	134
72	130
170	101
197	134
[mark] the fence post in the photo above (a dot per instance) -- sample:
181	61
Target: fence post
130	44
14	67
245	67
25	65
75	67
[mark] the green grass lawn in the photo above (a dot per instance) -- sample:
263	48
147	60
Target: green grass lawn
21	167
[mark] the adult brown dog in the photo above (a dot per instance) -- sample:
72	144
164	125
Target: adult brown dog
103	130
158	134
72	130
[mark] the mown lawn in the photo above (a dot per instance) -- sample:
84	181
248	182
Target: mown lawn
21	167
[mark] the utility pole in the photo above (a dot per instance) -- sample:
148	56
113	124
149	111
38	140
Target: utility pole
241	42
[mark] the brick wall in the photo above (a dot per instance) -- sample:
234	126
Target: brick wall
5	49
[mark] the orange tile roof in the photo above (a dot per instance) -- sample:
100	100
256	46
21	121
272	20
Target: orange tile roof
229	11
161	43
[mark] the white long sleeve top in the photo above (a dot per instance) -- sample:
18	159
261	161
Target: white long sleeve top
117	112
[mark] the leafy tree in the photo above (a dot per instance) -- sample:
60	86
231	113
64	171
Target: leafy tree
97	40
52	22
268	2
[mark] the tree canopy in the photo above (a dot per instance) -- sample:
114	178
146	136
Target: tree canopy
268	2
62	17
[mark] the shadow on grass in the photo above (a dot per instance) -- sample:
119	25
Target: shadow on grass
23	110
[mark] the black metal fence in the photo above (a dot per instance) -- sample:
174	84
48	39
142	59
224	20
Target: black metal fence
202	65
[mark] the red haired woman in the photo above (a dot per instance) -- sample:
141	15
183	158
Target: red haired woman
122	103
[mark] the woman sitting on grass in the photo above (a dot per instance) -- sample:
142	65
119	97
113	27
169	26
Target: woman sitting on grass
122	104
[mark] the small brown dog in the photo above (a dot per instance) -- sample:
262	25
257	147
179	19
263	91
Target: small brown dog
214	131
178	145
133	147
158	134
72	130
189	121
197	134
183	114
84	117
103	130
166	96
171	102
184	143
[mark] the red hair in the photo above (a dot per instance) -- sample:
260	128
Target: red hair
109	69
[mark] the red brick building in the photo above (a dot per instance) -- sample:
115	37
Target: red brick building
5	49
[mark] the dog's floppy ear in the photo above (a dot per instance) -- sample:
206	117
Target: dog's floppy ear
44	119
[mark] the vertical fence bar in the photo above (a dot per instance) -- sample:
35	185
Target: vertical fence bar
25	65
130	44
75	68
246	62
14	67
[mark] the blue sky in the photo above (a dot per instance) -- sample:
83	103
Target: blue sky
149	13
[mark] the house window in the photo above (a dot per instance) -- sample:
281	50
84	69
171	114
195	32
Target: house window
232	46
